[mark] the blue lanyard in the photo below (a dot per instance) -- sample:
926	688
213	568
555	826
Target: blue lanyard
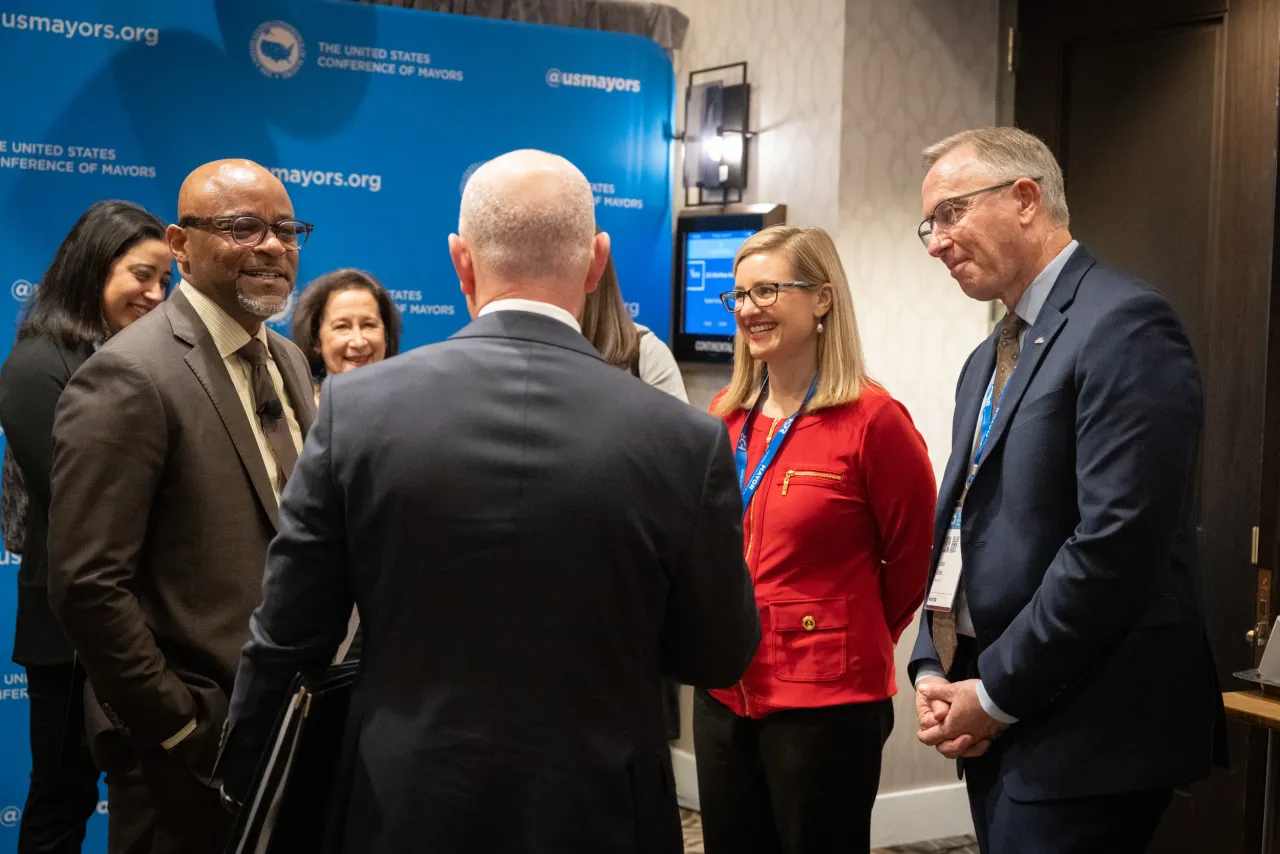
748	487
990	409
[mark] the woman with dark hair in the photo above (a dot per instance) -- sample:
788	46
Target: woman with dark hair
607	324
345	320
113	267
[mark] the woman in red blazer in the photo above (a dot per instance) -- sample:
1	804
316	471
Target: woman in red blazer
838	494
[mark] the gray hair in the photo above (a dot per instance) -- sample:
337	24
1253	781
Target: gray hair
529	215
1011	154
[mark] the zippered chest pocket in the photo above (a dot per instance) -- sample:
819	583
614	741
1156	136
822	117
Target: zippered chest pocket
809	477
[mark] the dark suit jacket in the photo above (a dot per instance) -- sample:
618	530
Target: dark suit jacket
1078	544
158	529
31	381
533	539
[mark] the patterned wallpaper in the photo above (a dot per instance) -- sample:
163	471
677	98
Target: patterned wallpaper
845	94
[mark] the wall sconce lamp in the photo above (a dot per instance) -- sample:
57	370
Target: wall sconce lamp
717	107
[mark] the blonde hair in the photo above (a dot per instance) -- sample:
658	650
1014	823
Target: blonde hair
1010	154
841	368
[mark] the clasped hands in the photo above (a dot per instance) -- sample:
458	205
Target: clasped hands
952	719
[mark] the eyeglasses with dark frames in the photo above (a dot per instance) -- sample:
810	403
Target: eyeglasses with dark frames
949	211
251	230
763	294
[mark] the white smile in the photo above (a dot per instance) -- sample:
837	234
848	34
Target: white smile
760	328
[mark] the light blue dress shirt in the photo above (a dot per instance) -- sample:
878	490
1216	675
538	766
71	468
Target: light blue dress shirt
1028	308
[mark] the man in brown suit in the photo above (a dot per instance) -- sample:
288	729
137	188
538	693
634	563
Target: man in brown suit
172	445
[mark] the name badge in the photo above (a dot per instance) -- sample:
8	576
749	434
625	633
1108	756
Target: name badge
946	580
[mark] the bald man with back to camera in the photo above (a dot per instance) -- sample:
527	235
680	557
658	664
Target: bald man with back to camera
172	443
533	542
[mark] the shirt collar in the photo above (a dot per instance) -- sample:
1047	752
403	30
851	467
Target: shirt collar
546	309
228	335
1028	308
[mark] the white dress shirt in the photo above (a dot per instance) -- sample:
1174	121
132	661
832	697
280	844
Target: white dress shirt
546	309
1028	308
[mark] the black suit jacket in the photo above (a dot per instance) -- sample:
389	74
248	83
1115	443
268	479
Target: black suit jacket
1078	544
533	539
32	380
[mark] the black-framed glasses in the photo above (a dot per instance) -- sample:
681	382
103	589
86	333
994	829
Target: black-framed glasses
949	211
762	294
251	230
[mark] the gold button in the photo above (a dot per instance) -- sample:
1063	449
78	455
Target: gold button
809	624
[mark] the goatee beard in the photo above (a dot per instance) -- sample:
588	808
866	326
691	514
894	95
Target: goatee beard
261	307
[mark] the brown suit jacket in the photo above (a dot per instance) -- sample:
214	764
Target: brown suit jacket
158	529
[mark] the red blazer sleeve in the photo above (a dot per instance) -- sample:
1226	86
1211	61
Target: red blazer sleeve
902	494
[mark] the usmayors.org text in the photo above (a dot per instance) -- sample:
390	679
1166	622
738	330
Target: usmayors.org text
321	178
67	28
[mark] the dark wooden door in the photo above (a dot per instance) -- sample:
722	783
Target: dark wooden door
1164	116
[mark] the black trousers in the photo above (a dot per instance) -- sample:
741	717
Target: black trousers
1120	823
796	782
63	794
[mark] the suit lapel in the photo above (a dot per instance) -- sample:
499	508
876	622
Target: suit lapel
295	386
1039	339
211	371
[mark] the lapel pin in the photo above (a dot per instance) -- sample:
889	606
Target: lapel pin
1039	340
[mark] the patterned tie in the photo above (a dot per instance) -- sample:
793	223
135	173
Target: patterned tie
1007	349
270	410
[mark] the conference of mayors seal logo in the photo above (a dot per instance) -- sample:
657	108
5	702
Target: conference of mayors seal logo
10	817
277	49
21	290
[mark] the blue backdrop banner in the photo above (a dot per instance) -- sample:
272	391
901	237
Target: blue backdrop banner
372	117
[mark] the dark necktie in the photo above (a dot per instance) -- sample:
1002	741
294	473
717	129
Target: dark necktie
270	410
1007	349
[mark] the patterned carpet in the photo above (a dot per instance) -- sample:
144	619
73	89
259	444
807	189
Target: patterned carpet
692	823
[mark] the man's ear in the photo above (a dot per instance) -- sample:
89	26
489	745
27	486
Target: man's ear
463	265
1030	199
600	247
176	237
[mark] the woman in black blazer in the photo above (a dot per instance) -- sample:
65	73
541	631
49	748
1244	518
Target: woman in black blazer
112	268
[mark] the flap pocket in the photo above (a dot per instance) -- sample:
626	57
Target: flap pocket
809	639
809	615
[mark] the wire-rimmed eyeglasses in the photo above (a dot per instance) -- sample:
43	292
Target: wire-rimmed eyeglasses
949	211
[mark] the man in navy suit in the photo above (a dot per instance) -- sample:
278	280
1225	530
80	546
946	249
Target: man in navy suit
1065	584
534	540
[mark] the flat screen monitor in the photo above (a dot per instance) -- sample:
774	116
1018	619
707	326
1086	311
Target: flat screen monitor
708	272
706	244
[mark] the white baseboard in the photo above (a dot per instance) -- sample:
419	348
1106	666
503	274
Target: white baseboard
899	818
918	815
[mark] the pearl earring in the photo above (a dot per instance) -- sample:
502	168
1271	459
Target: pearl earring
819	327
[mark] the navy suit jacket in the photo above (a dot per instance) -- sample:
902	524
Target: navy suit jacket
534	539
1078	545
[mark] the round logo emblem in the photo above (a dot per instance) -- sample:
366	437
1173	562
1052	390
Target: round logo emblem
10	817
22	290
553	78
277	49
